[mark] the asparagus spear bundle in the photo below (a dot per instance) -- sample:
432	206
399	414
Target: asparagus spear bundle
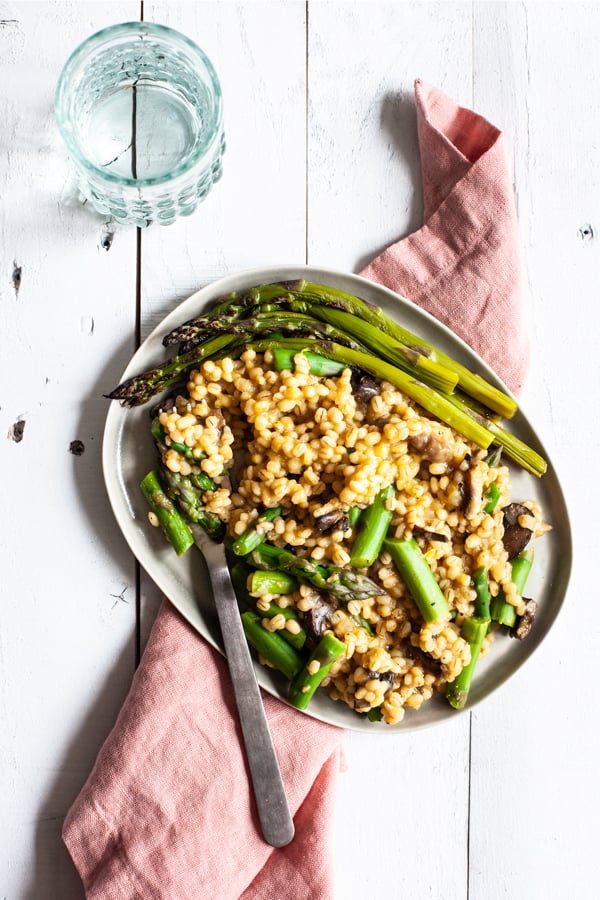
338	327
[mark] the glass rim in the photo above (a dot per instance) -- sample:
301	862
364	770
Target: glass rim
103	36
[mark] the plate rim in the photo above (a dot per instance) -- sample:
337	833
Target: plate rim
245	278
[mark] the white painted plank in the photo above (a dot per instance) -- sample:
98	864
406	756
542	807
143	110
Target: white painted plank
256	214
403	802
535	745
364	167
66	641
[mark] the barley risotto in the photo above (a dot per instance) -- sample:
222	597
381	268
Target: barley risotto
320	452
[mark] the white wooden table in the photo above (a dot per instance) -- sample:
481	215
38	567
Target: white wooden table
322	167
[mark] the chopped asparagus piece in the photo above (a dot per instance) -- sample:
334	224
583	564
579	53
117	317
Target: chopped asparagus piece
170	519
374	524
272	646
473	630
303	687
419	578
343	583
254	535
502	611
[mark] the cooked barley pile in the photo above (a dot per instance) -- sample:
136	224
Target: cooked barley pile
319	446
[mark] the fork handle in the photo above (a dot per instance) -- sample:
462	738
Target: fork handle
271	801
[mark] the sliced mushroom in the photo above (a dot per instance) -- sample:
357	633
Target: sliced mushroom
364	386
515	537
317	620
382	676
525	622
429	535
336	519
474	482
432	447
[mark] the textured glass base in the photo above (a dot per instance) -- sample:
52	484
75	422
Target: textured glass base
139	106
158	204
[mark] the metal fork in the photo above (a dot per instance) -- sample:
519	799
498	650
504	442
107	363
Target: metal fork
273	810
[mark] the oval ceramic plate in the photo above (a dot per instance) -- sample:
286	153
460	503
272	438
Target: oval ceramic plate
128	453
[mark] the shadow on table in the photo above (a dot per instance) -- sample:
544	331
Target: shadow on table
398	120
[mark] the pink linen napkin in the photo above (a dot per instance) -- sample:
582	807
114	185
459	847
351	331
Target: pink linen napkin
167	812
463	265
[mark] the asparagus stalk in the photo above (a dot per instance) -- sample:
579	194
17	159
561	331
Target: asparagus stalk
474	385
170	519
266	323
354	514
202	481
306	682
481	585
229	309
518	450
253	535
241	574
474	630
341	582
318	365
182	490
301	298
263	582
141	388
502	611
418	577
272	646
514	447
493	495
410	359
374	525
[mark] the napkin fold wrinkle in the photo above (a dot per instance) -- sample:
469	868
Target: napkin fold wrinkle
464	265
167	812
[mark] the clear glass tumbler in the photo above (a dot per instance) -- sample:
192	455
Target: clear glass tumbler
140	109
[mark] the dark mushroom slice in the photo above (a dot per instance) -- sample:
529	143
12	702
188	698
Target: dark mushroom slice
334	520
515	537
473	490
525	622
317	620
364	386
387	677
429	535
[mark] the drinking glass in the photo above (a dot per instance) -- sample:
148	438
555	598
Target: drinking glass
139	107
